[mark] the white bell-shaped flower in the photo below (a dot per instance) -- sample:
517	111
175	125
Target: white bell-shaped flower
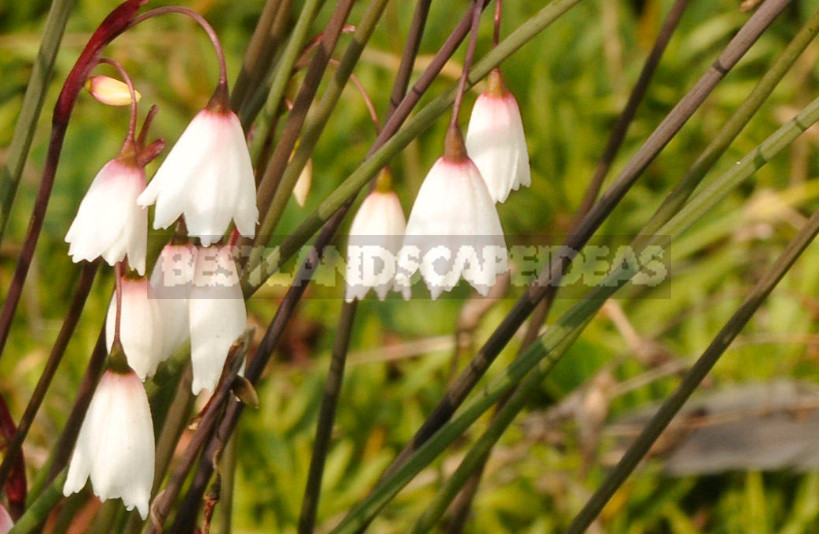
453	230
495	140
109	222
115	446
171	282
376	236
140	327
5	520
207	177
217	314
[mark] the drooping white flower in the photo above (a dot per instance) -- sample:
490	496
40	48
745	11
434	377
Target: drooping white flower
140	327
5	520
207	177
115	446
376	235
495	140
171	282
109	222
217	314
453	230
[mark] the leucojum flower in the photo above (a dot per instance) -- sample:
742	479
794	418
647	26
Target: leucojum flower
140	327
115	446
495	140
171	283
207	176
453	230
109	222
217	314
376	235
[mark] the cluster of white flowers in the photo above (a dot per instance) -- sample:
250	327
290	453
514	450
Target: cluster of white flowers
194	292
453	230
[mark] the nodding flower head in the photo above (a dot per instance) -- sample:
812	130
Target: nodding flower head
140	327
495	140
217	314
207	177
376	235
453	230
115	446
109	222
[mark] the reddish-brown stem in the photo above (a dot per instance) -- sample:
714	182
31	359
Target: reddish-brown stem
113	25
470	55
199	19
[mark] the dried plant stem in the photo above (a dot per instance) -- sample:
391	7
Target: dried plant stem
327	414
641	445
408	55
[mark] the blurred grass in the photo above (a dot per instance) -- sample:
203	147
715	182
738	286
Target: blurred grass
569	95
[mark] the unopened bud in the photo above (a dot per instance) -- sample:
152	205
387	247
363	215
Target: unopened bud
110	91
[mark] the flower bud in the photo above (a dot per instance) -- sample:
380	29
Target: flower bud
110	91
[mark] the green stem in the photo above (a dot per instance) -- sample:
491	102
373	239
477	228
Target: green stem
37	513
546	352
32	106
413	128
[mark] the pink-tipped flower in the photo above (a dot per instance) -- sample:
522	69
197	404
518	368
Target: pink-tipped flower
109	222
375	240
217	314
5	520
171	282
495	140
115	446
453	230
140	327
207	177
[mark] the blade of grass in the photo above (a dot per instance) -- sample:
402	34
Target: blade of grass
32	106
